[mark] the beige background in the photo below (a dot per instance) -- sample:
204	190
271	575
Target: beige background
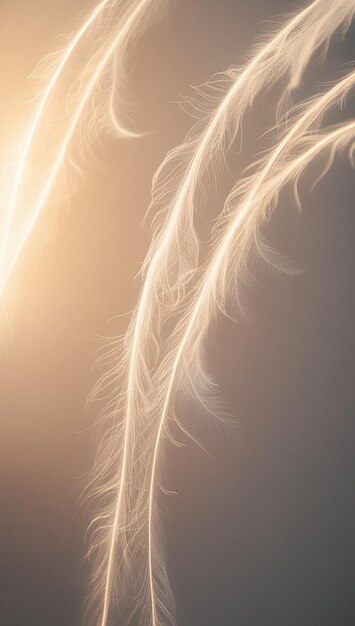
261	532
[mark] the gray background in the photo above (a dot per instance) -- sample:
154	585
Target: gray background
261	531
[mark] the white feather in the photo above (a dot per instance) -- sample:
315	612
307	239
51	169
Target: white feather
150	364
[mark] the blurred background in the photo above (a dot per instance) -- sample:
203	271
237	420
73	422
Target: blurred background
260	532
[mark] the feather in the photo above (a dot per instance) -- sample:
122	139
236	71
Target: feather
126	536
183	369
79	109
248	206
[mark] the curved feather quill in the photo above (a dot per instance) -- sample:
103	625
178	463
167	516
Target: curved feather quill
183	369
126	471
85	107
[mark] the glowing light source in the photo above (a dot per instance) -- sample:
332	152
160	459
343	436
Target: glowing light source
150	370
120	21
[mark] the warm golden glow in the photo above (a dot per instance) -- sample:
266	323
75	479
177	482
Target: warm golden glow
161	357
119	22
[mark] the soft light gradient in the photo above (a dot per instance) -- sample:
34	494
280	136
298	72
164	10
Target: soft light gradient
272	542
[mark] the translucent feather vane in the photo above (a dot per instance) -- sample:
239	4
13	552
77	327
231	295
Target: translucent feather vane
70	115
185	284
130	560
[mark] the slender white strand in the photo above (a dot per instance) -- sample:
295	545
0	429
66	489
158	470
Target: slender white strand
295	42
236	241
125	20
229	258
132	443
35	122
